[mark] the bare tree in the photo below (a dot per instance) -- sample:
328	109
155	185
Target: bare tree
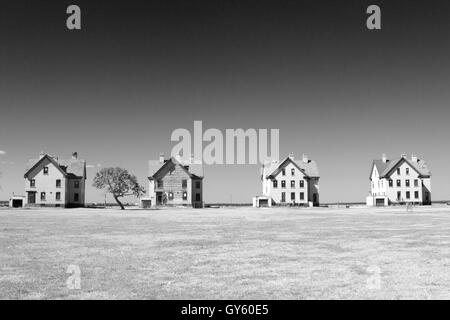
118	182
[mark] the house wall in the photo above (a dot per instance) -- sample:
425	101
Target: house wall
313	188
71	191
46	183
195	189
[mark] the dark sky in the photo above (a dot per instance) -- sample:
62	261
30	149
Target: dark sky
115	90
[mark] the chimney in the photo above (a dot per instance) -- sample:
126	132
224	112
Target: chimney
404	155
383	157
305	158
413	158
161	158
191	159
41	155
75	156
291	156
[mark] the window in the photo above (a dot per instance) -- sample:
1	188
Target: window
45	170
302	183
197	184
76	184
283	184
283	197
170	195
184	183
184	195
408	195
391	183
292	184
416	194
76	197
160	184
416	183
407	171
407	182
42	196
398	171
399	183
283	172
399	195
58	183
293	196
292	172
58	196
302	196
275	183
198	197
32	183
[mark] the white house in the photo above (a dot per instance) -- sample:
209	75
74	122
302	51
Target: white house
289	182
50	181
399	181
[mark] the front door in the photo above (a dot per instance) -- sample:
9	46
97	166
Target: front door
32	197
159	198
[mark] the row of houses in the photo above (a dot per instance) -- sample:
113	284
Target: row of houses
50	181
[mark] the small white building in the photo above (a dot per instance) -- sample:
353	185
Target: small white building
289	182
16	201
399	181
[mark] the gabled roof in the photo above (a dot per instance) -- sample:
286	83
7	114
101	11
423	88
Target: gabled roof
309	168
194	170
71	168
385	168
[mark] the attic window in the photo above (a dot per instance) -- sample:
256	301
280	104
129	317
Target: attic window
292	172
283	172
407	170
45	170
398	171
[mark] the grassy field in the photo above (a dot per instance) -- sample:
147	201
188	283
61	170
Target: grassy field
227	253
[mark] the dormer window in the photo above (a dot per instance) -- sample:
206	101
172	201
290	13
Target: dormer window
45	170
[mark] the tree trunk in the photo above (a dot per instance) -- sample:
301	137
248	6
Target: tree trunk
120	203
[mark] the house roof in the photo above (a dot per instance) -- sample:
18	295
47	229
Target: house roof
194	170
309	168
384	168
71	168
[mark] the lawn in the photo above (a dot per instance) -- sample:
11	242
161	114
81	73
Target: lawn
226	253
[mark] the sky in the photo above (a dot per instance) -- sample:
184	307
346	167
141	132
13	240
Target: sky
137	70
